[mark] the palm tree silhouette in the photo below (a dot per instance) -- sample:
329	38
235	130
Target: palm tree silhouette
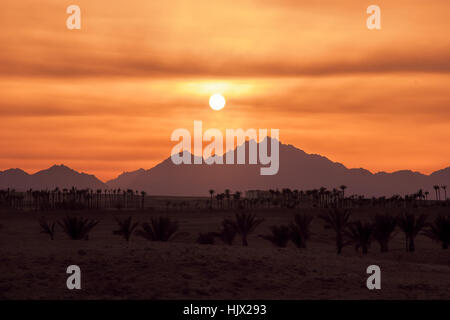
47	227
159	229
343	187
337	220
98	197
384	229
77	228
439	231
126	228
411	227
322	194
299	229
211	192
420	195
360	235
143	193
228	195
436	188
219	198
237	197
444	187
244	224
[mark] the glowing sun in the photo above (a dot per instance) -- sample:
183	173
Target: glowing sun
217	101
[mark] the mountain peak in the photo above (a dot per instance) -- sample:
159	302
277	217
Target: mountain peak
56	176
298	170
60	167
14	171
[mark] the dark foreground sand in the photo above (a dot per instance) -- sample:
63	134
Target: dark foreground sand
33	267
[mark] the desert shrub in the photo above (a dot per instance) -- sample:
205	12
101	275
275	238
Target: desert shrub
411	226
47	227
159	229
227	232
206	238
360	235
439	231
77	228
384	227
279	236
126	228
299	229
337	220
244	224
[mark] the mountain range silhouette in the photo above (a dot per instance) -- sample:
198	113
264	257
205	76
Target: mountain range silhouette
298	170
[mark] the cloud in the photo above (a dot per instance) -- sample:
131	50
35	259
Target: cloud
384	61
181	39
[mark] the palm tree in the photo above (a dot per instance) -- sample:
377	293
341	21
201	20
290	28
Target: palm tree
299	229
143	194
338	220
360	235
77	228
343	187
159	229
335	195
411	226
130	196
436	189
211	192
114	197
272	194
279	236
322	195
237	197
47	227
439	231
444	187
219	198
228	196
383	230
419	194
98	197
126	228
244	224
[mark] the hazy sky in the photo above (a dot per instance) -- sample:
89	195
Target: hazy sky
106	98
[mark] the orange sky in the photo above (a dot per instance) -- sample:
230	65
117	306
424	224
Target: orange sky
106	98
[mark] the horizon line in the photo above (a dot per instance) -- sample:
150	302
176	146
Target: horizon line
80	171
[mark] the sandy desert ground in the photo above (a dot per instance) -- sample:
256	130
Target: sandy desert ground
34	267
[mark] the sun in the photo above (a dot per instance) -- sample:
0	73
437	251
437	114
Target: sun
217	102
